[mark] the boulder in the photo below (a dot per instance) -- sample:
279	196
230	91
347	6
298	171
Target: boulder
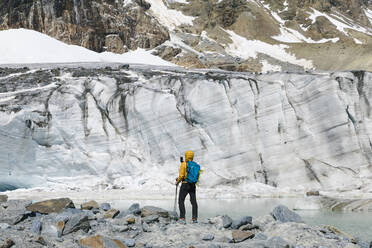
277	242
36	226
260	236
105	206
129	242
3	198
4	226
208	237
99	241
283	214
135	209
150	218
8	243
145	227
118	228
130	219
226	221
89	205
51	206
240	222
76	222
248	227
240	236
173	215
112	213
151	210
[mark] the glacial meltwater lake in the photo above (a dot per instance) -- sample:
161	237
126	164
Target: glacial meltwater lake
359	224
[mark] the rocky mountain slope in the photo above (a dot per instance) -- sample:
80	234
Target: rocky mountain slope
242	35
127	128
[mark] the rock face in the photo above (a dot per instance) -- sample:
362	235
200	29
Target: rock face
51	206
97	25
211	33
102	126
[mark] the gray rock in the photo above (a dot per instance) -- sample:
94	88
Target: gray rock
208	237
36	226
75	223
277	242
283	214
118	228
260	236
226	221
242	221
134	209
151	210
150	218
129	242
173	215
105	206
145	227
4	226
214	246
248	227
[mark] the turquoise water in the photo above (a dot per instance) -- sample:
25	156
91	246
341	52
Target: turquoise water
359	224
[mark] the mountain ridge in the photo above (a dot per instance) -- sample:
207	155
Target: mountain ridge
239	35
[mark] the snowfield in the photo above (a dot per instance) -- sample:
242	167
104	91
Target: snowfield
23	46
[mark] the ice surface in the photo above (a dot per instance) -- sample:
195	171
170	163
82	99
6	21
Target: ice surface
274	134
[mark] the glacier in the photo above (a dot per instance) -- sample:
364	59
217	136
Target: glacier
111	127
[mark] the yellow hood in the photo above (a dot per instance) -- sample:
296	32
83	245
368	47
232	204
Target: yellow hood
189	156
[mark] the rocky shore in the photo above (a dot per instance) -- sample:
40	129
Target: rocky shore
60	223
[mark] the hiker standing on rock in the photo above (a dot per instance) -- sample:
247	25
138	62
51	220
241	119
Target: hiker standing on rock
189	176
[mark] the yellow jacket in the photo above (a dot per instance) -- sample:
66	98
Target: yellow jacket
189	156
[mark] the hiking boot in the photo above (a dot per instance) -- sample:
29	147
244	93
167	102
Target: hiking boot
182	221
194	220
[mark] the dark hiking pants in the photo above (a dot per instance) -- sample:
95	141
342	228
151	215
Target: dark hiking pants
188	188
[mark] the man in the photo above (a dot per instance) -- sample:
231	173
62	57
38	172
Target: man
188	175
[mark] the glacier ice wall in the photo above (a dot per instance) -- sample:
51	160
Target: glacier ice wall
124	128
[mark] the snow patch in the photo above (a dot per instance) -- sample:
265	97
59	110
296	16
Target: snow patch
369	15
267	67
357	41
23	46
169	17
341	26
293	36
244	48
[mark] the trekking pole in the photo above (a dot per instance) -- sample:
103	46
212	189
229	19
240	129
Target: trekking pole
175	200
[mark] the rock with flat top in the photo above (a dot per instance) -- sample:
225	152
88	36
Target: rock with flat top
240	236
99	241
151	210
89	205
112	213
51	206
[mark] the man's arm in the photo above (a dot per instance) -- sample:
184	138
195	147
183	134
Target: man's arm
182	173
